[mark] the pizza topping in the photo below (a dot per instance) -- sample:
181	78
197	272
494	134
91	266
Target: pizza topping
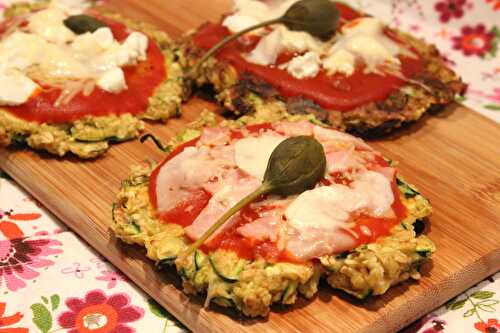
356	202
361	40
112	80
49	54
331	88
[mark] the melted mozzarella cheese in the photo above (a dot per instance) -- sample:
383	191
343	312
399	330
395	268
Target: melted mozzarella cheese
330	207
376	191
252	154
189	169
319	217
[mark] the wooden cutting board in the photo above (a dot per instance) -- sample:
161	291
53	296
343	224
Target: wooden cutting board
453	157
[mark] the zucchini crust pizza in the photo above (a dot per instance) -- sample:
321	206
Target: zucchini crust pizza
367	79
359	227
75	80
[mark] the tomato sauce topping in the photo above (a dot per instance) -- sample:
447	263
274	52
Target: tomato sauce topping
142	79
247	248
337	92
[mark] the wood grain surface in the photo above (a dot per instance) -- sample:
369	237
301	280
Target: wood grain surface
453	157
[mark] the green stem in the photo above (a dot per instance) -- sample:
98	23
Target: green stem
262	189
165	326
194	71
474	306
156	141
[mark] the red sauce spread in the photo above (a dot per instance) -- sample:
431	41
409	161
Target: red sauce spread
337	92
248	248
141	79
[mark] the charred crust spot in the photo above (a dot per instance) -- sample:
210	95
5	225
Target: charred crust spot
458	87
443	92
419	226
300	105
368	132
258	86
241	106
396	102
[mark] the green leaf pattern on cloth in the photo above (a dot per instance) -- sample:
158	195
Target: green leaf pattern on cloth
42	317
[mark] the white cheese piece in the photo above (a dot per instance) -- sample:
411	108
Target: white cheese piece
250	12
20	50
267	50
298	41
238	22
91	44
16	88
136	44
48	24
112	81
104	37
364	38
305	66
340	61
129	53
252	154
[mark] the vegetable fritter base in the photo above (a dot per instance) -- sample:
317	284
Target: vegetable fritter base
253	286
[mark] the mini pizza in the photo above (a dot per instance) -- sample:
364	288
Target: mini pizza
367	79
360	227
73	80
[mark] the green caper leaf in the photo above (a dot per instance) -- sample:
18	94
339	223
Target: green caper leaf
319	18
295	165
82	23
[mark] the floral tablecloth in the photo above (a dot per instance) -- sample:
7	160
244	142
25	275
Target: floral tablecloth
51	281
